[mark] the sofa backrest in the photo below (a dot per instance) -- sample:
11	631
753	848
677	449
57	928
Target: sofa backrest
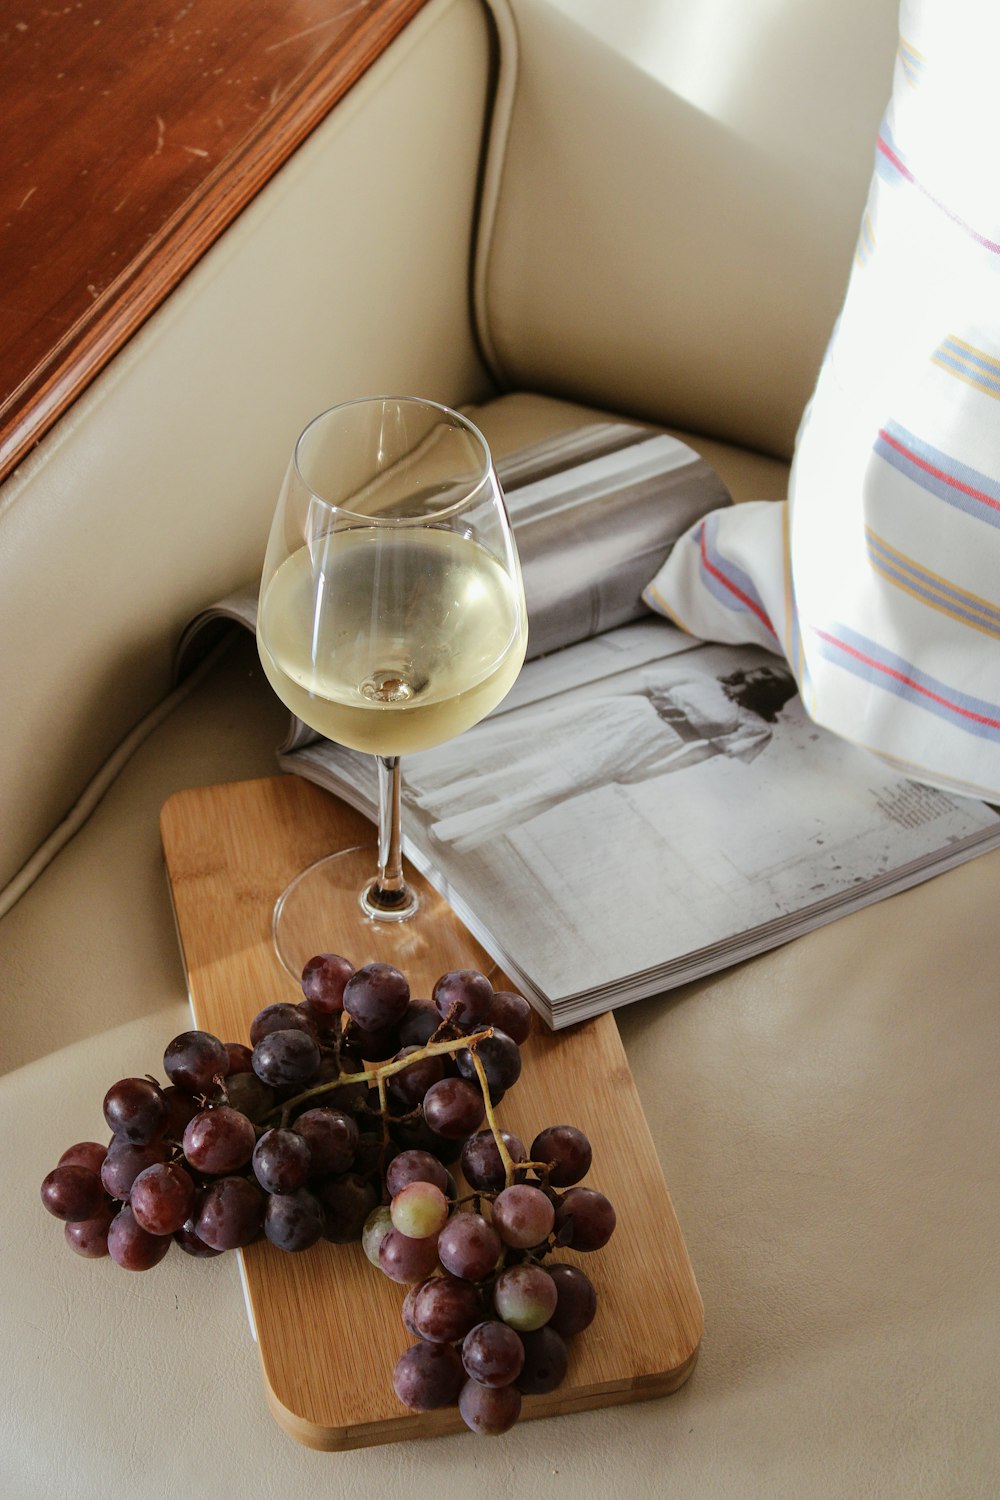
673	197
153	495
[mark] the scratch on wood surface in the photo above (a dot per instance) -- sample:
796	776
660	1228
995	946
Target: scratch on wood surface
26	197
320	25
161	134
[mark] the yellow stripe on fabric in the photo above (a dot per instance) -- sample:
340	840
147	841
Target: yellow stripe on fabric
973	603
980	354
665	608
978	383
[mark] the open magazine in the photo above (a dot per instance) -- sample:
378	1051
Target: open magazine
643	808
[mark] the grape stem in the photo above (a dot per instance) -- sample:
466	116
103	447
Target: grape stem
509	1168
381	1071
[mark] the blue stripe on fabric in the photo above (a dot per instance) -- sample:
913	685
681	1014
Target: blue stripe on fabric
971	369
734	580
884	669
941	475
948	601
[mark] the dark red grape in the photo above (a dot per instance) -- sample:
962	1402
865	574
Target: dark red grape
481	1163
545	1360
567	1150
420	1021
84	1154
189	1242
252	1098
240	1058
590	1215
492	1353
411	1132
454	1108
89	1237
501	1060
346	1202
468	1246
278	1017
181	1110
525	1297
415	1166
523	1216
281	1161
194	1060
332	1139
445	1308
512	1014
463	994
219	1140
135	1110
375	1046
403	1258
293	1221
162	1198
132	1247
408	1088
576	1299
323	981
72	1193
123	1164
489	1410
376	997
230	1214
409	1302
428	1376
286	1057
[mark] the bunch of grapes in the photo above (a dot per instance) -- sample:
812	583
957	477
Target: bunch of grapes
340	1120
491	1320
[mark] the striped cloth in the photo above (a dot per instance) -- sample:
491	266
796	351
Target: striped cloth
879	580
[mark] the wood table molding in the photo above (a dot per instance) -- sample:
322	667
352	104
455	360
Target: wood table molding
135	133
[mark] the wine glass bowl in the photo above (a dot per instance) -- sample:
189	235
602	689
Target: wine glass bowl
391	614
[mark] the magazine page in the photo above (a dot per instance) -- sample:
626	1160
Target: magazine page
643	807
595	511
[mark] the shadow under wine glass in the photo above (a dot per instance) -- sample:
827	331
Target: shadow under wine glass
391	618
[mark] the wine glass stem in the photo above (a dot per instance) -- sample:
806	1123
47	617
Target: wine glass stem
389	890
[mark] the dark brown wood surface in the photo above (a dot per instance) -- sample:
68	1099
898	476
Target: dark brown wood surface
134	132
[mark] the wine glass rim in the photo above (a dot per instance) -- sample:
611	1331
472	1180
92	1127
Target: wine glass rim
458	418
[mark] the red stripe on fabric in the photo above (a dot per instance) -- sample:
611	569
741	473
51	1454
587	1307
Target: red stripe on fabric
904	171
932	469
896	161
870	661
727	583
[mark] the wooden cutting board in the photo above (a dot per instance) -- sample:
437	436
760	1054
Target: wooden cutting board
327	1323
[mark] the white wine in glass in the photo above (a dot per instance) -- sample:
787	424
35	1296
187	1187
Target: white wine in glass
391	617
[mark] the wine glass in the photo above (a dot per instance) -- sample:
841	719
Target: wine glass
391	618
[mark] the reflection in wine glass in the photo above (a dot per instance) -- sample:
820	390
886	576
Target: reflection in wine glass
391	612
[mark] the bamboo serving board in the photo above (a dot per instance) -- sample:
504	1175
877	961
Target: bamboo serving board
328	1324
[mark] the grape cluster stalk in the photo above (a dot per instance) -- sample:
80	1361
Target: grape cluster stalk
341	1120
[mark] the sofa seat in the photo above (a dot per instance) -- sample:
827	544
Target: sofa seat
827	1119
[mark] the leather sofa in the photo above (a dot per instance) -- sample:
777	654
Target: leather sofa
655	207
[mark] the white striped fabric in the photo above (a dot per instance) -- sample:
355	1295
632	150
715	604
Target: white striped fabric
880	578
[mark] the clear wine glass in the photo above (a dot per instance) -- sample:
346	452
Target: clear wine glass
391	618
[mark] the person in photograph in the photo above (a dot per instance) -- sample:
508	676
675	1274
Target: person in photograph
529	761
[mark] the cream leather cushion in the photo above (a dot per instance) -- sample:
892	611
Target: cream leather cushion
672	193
828	1121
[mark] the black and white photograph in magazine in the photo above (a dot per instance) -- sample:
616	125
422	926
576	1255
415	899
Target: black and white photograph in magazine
643	805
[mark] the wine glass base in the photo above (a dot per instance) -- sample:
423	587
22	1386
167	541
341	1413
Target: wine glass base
324	910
